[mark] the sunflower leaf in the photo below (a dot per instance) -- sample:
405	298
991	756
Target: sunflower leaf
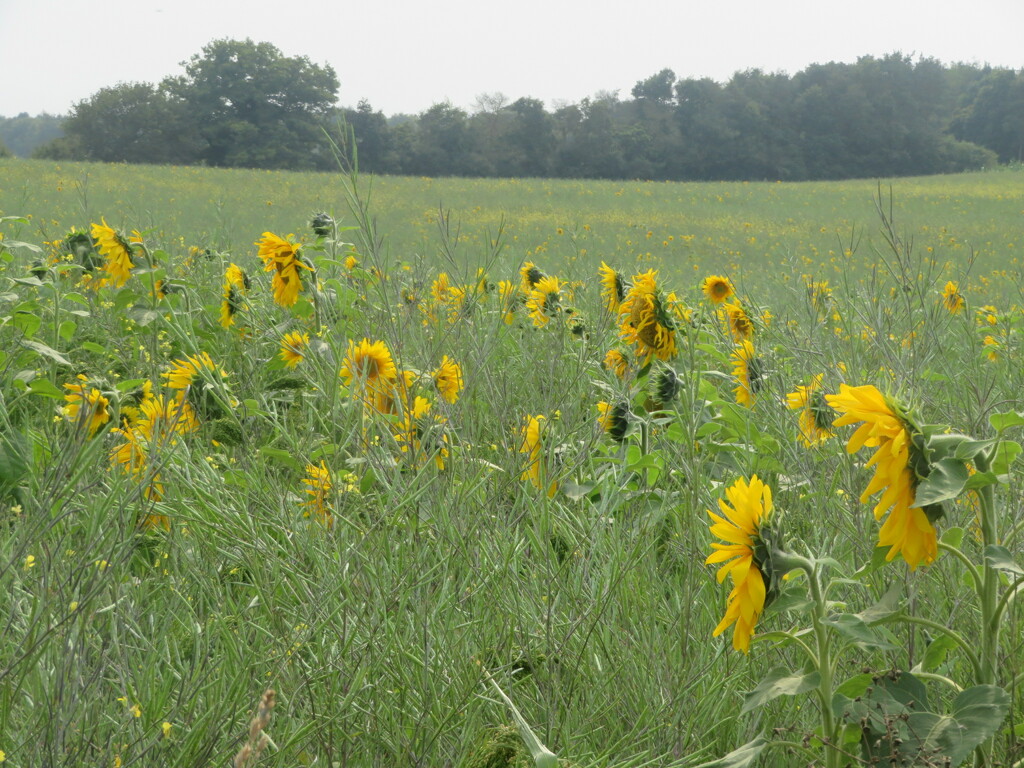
780	682
741	757
945	481
856	630
1001	559
1002	421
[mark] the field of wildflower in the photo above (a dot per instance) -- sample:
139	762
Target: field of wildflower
304	469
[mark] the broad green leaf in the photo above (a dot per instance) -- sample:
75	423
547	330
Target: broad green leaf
977	714
46	351
780	682
34	281
26	322
854	687
980	480
281	457
1000	558
1002	421
67	329
854	629
1006	453
952	537
891	602
936	652
45	388
945	481
741	757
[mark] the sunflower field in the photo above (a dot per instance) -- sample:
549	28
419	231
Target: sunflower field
316	470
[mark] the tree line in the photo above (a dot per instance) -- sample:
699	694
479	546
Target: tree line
245	104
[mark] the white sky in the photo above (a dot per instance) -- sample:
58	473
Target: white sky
405	56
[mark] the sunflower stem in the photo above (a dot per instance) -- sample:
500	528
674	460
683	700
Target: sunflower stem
988	670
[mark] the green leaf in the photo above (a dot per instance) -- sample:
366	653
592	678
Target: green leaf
46	351
944	482
35	282
26	322
1000	558
952	537
741	757
854	629
980	480
854	687
45	388
780	682
1002	421
15	458
936	652
1006	453
281	457
67	329
891	602
955	446
977	714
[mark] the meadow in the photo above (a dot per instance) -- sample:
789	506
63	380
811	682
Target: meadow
437	469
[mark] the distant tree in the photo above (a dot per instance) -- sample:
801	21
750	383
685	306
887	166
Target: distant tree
443	142
23	133
992	114
658	87
256	107
529	142
4	151
132	123
375	151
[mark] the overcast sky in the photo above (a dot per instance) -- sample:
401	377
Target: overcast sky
404	56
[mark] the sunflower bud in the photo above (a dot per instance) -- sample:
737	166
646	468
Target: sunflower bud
322	224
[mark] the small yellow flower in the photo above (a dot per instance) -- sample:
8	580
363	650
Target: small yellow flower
166	728
30	562
952	299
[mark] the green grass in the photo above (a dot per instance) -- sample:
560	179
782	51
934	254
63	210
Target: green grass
592	608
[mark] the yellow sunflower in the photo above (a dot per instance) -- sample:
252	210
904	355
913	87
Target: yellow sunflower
281	257
748	372
530	276
815	415
112	245
421	434
318	488
86	404
236	286
293	347
907	530
613	288
369	372
616	362
613	418
740	325
448	379
537	468
952	299
717	288
741	526
185	372
544	301
646	321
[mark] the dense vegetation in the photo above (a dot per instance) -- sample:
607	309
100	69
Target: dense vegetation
244	104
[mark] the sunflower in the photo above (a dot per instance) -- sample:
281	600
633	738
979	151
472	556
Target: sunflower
820	294
907	530
530	275
717	288
646	321
509	300
544	300
614	419
665	385
748	371
448	379
616	362
815	415
421	434
740	325
613	287
185	372
281	257
532	435
952	299
318	488
236	286
112	244
86	404
744	527
369	371
293	347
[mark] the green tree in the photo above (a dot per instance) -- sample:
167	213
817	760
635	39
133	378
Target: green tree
993	114
23	133
256	107
131	123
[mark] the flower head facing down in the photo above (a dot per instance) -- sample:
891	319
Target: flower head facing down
613	418
538	468
544	300
743	526
717	288
816	416
87	405
908	529
281	257
530	275
369	372
319	489
952	299
740	325
185	373
616	362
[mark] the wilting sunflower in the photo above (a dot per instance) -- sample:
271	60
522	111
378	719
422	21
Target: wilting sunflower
369	372
645	319
113	246
665	385
421	434
744	526
740	325
717	288
448	379
748	372
281	257
815	415
614	419
86	405
318	488
537	468
616	362
293	348
544	300
952	299
613	287
907	530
